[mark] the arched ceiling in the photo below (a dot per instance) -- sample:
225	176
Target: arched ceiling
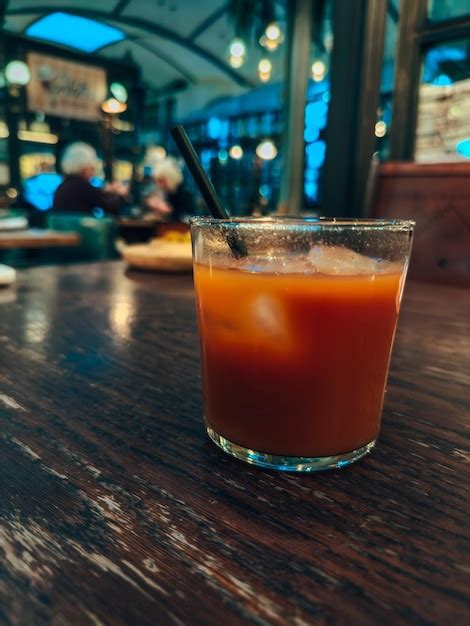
169	39
173	40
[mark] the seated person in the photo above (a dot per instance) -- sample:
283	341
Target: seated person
76	194
170	200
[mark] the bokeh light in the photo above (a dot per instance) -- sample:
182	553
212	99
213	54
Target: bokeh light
318	71
266	150
237	48
236	152
380	129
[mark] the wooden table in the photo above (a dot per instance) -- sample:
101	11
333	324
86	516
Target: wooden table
116	509
37	238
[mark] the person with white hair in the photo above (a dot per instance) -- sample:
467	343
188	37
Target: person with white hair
76	194
171	201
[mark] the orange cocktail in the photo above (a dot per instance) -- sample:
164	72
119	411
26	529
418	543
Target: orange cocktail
295	352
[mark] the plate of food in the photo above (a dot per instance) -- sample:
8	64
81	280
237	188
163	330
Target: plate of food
169	253
7	275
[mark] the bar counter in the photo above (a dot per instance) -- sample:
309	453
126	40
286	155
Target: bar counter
115	508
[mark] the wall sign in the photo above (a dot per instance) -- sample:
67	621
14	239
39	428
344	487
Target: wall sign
65	88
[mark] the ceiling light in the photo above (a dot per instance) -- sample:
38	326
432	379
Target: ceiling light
113	106
237	48
273	32
17	73
270	44
265	66
118	91
236	62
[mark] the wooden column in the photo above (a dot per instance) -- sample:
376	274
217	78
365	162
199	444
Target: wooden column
368	99
299	41
407	77
356	64
12	113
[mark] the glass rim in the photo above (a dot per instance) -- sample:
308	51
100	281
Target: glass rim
325	223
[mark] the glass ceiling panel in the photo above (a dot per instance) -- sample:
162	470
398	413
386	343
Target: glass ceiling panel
74	31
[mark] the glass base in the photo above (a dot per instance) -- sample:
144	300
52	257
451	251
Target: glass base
288	463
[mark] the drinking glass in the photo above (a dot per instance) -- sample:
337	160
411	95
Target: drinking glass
296	334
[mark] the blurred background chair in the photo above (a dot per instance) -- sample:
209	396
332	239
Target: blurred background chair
437	197
97	236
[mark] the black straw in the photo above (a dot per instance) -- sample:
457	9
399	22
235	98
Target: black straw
206	187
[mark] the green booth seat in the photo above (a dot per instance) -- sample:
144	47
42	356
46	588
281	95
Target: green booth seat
98	235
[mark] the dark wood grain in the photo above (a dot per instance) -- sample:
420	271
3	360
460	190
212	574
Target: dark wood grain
116	509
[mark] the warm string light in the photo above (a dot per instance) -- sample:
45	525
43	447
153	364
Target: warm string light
236	62
273	32
271	37
237	48
237	51
270	40
113	106
380	129
264	70
265	66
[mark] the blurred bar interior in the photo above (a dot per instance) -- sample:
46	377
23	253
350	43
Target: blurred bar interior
316	107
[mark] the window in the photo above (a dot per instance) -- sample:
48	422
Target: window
74	31
385	108
439	10
431	109
444	103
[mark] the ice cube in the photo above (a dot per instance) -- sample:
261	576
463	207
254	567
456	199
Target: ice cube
274	265
340	261
269	316
269	327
